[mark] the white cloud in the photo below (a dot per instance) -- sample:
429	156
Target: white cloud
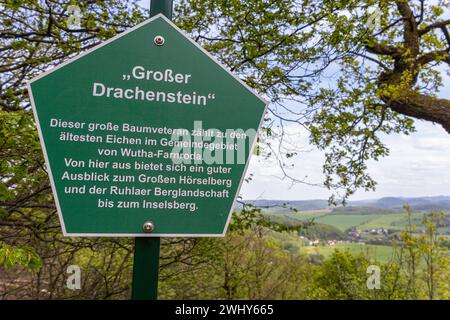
419	165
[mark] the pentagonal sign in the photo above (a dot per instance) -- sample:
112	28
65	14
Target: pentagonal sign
145	135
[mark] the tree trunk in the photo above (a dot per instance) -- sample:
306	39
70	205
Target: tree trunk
420	106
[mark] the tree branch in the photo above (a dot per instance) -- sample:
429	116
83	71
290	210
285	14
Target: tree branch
441	55
436	25
386	50
410	33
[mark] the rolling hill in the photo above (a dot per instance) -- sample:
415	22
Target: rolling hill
376	206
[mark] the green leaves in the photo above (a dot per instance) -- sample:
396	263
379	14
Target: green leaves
20	154
315	54
256	39
13	257
342	276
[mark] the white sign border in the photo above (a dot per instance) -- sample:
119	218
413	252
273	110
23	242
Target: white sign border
41	137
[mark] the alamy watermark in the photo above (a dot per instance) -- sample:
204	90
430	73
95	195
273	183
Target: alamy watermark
74	279
210	146
74	19
374	280
374	20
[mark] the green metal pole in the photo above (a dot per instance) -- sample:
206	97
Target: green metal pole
146	250
161	6
145	269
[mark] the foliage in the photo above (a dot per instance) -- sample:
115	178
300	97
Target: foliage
35	35
323	231
281	48
425	259
348	71
342	276
262	264
247	265
10	257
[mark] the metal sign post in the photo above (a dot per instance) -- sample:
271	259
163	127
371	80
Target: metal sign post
146	250
145	269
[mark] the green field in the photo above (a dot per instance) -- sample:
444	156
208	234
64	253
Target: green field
395	221
380	253
308	215
342	221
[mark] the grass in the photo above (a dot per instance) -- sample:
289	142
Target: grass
380	253
343	222
377	252
308	215
393	221
396	221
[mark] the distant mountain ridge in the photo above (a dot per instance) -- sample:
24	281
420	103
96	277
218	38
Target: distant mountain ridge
418	203
386	203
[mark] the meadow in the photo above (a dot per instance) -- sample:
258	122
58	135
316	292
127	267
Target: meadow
377	252
342	220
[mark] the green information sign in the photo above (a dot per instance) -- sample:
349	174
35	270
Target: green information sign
145	135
